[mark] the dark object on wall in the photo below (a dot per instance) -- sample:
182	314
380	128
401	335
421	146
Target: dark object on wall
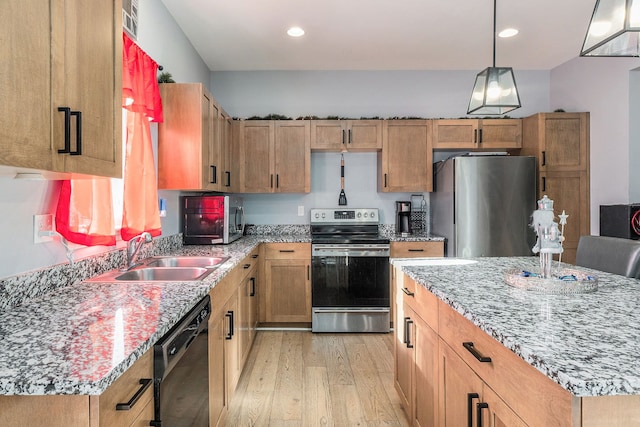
165	78
620	221
342	199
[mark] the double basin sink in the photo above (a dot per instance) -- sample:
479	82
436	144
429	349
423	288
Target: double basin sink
165	269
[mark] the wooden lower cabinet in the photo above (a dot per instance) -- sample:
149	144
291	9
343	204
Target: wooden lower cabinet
287	283
86	411
466	400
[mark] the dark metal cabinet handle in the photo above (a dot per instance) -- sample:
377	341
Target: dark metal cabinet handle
308	273
475	136
214	174
78	151
385	180
343	139
229	315
470	397
246	266
416	250
67	129
544	158
254	256
253	287
349	136
144	385
408	292
287	250
479	407
409	323
277	180
480	136
228	184
471	349
544	183
271	181
405	338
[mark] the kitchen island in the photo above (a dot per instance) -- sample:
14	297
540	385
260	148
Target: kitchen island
587	344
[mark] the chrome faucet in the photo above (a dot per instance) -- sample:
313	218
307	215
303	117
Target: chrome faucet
133	247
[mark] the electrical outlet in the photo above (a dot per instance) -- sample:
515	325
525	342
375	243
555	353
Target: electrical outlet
42	223
300	210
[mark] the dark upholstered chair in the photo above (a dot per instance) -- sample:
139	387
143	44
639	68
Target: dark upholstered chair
610	254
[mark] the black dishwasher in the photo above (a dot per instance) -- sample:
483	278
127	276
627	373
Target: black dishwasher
181	375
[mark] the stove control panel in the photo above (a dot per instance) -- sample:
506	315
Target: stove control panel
351	216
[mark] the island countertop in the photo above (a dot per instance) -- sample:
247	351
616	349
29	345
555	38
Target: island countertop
588	343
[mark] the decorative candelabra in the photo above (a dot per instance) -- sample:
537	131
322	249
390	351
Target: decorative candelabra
550	237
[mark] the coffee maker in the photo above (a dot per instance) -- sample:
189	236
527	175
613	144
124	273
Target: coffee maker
403	217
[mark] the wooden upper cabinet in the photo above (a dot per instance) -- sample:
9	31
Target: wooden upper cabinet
560	141
477	134
71	57
274	156
188	139
228	172
406	157
292	156
346	135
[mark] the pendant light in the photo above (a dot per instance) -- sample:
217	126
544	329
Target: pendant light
614	29
495	90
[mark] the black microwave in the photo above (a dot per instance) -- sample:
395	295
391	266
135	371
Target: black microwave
211	220
620	221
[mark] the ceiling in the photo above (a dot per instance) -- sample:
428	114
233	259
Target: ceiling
381	34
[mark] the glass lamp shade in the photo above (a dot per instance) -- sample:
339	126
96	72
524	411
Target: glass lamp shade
614	29
494	92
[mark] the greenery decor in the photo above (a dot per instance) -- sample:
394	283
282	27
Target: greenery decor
165	77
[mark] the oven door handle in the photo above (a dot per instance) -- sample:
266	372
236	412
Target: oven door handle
368	310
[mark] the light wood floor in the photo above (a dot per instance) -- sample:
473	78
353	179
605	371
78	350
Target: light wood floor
297	378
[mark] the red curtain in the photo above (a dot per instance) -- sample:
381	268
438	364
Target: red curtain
141	98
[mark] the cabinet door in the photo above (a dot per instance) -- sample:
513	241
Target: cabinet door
460	389
233	366
455	134
570	192
212	169
497	413
69	57
187	156
256	156
328	135
292	156
565	141
417	249
217	384
228	176
288	290
425	395
501	133
89	80
364	135
248	301
406	156
403	359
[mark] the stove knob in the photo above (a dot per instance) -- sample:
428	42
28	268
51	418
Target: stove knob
323	214
359	214
317	215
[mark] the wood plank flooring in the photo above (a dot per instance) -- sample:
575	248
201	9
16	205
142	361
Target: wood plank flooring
297	378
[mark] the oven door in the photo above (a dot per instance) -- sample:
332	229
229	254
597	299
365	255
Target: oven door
350	288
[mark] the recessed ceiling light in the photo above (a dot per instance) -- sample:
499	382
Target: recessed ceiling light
509	32
295	32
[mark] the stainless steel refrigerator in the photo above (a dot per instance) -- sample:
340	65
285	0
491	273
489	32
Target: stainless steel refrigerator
483	205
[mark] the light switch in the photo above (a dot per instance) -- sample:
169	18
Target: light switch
42	223
300	210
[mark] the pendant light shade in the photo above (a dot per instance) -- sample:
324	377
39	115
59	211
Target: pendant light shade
614	29
495	91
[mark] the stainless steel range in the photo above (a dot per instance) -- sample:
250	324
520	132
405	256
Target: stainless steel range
350	271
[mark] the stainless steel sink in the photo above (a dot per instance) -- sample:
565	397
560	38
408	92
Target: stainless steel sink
186	261
165	274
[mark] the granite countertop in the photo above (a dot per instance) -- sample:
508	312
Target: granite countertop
80	338
588	343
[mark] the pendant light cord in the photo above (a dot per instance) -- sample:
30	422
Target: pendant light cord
494	33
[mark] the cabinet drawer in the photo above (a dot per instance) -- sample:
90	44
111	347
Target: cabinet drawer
423	302
288	251
534	397
122	390
416	249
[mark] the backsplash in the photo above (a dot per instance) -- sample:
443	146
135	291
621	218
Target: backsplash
14	290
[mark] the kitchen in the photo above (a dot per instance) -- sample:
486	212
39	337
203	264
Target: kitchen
577	85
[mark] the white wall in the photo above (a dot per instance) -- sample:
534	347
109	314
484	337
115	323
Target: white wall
163	40
601	86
